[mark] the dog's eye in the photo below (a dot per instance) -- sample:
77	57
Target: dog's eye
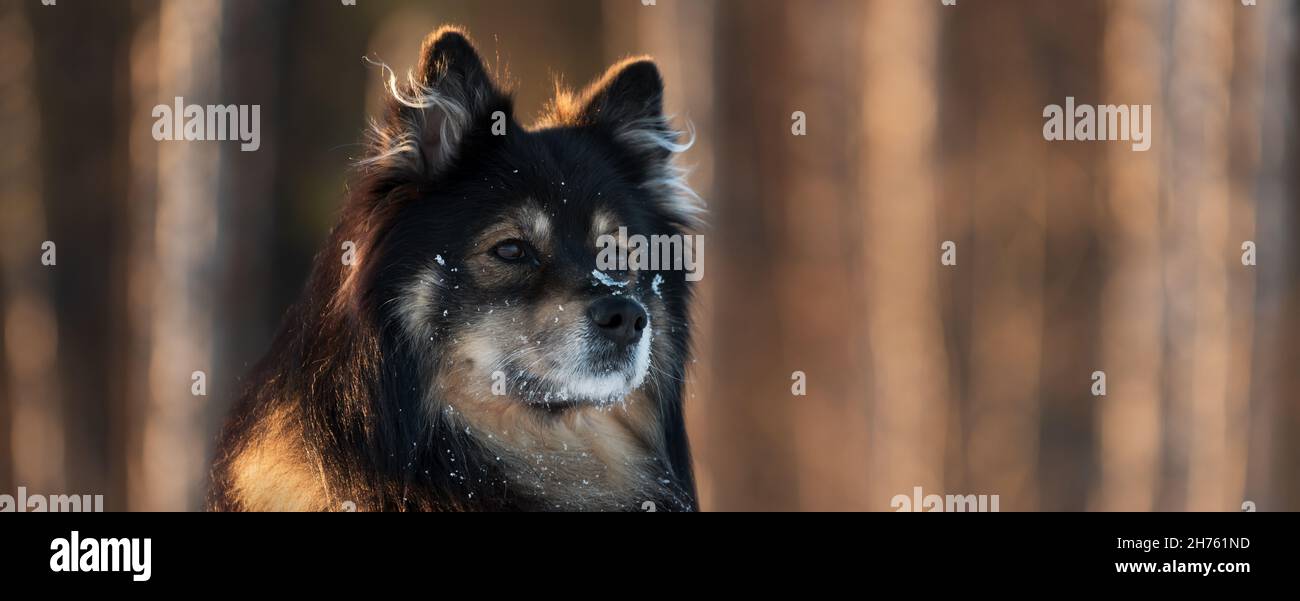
511	250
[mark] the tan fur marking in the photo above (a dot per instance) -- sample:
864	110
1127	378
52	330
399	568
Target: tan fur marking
529	223
274	473
603	223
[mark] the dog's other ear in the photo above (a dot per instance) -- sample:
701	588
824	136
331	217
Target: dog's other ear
629	100
450	97
628	103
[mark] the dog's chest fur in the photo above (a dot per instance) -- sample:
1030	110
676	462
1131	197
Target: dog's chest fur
586	458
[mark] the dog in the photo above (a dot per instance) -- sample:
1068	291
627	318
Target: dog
456	347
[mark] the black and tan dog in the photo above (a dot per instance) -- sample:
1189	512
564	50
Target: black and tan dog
471	356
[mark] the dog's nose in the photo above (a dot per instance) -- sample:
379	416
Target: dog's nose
618	318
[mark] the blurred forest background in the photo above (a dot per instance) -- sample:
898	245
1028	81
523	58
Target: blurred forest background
924	125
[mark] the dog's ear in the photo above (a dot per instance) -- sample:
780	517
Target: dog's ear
629	101
449	98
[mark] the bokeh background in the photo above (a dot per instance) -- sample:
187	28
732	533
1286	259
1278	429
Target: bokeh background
924	125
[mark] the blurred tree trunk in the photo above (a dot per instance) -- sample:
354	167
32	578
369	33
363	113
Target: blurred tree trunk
1073	283
819	283
996	136
84	158
901	255
1129	422
142	271
31	407
1289	463
1264	154
1246	320
186	237
1276	420
753	446
1195	234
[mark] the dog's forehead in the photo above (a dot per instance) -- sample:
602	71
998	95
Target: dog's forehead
566	166
558	188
